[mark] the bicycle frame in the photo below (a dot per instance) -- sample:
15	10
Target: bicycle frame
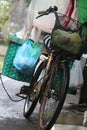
49	61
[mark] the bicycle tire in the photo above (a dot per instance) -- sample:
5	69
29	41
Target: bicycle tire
29	104
47	122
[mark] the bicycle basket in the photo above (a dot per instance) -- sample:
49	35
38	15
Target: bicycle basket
70	43
68	22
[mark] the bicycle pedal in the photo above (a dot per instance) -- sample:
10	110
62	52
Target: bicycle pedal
25	90
21	96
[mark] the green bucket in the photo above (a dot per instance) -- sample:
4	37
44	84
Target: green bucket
8	69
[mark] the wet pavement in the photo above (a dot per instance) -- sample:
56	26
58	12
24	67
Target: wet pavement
17	124
11	113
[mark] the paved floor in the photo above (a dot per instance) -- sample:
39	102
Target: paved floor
9	109
68	127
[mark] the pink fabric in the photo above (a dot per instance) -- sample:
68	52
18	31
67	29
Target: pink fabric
46	23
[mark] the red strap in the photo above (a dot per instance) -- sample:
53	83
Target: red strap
69	12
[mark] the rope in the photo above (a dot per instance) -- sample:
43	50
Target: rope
7	92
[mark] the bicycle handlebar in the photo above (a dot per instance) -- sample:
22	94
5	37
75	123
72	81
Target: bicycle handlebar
48	11
54	10
42	12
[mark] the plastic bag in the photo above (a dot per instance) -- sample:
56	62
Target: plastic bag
76	74
27	56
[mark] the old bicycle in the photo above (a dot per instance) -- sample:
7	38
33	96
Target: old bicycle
56	82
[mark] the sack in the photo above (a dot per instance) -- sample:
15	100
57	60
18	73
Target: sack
76	74
27	57
69	43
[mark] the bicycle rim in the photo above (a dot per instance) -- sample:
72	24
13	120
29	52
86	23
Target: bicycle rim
32	99
52	100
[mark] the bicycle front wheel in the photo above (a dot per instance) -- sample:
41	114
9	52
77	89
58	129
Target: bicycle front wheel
32	99
53	99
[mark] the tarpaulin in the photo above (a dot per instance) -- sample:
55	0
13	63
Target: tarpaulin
82	12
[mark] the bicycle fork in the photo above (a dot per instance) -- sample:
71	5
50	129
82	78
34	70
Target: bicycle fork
49	73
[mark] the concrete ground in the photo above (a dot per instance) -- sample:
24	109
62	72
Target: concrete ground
68	115
71	119
68	127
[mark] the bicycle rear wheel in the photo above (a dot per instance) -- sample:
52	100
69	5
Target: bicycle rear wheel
32	99
53	100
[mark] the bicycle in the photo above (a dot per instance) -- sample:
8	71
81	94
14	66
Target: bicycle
53	64
57	66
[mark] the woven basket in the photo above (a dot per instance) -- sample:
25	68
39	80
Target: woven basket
8	69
